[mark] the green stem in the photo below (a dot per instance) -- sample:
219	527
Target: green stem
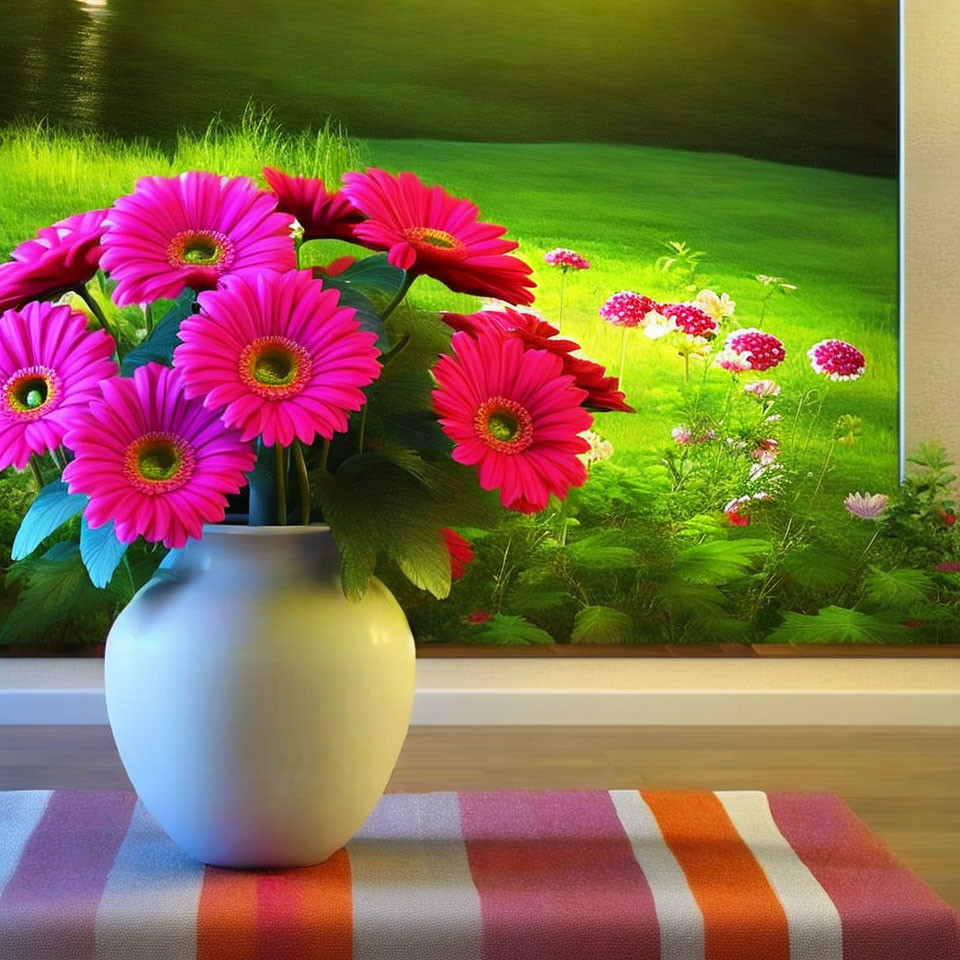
623	355
281	486
363	428
96	310
35	470
148	317
304	480
129	569
408	279
325	455
563	284
686	368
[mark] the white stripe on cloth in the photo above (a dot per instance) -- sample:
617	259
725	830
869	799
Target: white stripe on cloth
149	905
20	812
812	918
413	895
681	922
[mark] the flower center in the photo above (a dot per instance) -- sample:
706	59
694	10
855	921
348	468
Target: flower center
504	425
275	368
201	248
431	238
158	462
31	393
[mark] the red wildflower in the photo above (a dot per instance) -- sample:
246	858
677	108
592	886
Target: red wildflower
479	616
947	516
628	309
761	350
690	319
838	359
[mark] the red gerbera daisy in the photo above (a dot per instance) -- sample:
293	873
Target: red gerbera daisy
322	214
461	553
513	414
603	392
278	356
189	231
51	366
759	350
428	231
59	258
838	359
155	463
690	319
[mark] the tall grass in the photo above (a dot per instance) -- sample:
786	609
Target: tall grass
46	173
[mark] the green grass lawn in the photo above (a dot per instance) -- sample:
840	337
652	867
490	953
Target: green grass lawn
832	234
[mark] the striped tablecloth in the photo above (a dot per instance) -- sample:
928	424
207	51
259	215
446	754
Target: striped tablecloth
586	875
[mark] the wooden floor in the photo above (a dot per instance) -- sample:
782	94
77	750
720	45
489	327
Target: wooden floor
904	782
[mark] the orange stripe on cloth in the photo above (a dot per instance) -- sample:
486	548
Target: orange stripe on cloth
742	916
307	912
227	915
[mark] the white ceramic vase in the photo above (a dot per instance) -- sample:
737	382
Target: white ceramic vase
258	712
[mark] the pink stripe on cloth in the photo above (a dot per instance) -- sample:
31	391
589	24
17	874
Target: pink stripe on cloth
557	878
886	913
48	909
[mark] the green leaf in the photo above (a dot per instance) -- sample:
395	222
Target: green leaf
158	347
900	589
51	509
718	561
601	552
838	625
599	624
816	568
685	599
377	507
366	312
100	551
54	588
510	631
372	277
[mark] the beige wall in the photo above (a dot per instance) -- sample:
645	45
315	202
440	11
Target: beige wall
932	222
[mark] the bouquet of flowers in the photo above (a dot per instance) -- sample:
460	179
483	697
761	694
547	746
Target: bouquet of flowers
277	393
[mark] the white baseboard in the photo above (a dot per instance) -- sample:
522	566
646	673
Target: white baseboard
585	707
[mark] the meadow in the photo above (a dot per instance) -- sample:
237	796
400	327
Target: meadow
643	553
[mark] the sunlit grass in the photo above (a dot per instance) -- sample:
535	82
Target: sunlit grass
46	174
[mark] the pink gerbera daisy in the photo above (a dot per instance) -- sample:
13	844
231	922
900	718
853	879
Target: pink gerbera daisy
566	259
321	213
189	231
50	367
461	553
690	319
278	356
513	414
603	392
59	258
152	461
428	231
838	359
628	309
760	350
